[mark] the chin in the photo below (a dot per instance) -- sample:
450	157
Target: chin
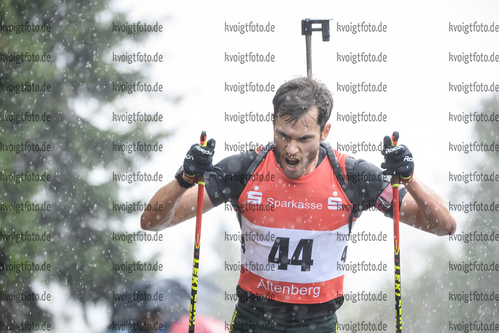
295	174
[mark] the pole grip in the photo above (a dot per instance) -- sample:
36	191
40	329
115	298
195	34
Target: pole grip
202	142
202	139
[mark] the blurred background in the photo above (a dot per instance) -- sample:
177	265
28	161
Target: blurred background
78	279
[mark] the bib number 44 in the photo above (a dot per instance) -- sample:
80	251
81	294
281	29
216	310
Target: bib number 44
302	254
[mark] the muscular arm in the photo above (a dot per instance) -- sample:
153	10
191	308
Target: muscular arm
422	208
178	204
174	205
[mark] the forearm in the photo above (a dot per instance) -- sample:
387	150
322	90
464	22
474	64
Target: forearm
177	201
430	212
162	207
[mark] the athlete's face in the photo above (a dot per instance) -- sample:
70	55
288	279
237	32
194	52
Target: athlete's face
297	143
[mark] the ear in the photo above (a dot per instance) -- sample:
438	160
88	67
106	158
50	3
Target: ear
325	132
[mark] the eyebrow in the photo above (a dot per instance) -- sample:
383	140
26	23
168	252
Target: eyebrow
303	137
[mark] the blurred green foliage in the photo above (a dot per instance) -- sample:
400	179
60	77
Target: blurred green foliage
80	72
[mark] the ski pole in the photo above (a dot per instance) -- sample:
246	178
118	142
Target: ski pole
393	141
197	245
307	29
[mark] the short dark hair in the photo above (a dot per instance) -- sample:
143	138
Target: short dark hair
295	98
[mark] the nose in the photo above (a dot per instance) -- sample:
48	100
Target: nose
292	147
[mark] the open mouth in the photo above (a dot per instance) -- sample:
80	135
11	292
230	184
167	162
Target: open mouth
292	163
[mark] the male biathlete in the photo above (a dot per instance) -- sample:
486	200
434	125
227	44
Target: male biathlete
293	199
